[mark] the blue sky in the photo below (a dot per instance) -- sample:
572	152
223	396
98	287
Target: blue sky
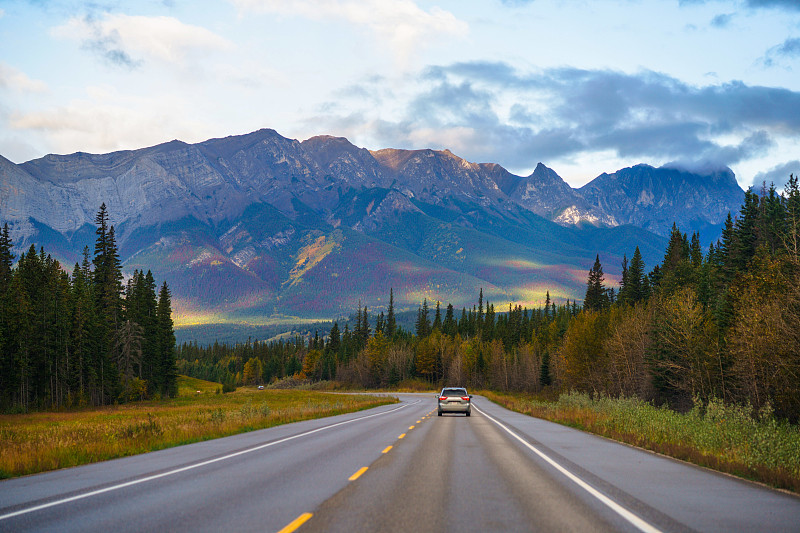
582	86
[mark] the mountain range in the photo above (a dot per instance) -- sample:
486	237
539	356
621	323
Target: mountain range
254	227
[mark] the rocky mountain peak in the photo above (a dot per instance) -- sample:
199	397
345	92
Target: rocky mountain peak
240	210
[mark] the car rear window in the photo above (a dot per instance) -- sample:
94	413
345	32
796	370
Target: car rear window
454	392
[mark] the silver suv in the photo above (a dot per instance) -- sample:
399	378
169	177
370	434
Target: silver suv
454	400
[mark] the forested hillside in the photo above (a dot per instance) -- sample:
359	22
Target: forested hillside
81	339
721	323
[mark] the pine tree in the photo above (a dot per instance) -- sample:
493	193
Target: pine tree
333	339
792	200
6	258
166	343
128	351
391	322
6	340
677	269
380	324
745	232
544	370
480	309
623	296
596	294
636	288
773	224
437	320
724	248
423	324
82	328
365	331
547	306
449	326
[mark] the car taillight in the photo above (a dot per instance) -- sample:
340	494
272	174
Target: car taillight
442	398
465	398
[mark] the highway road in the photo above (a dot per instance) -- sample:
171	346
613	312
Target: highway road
397	468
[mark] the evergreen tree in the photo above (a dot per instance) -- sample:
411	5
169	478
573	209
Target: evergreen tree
596	294
380	324
391	322
6	258
480	310
449	326
365	331
423	324
773	225
792	201
636	288
547	305
544	370
745	239
724	248
166	343
6	361
82	328
437	320
333	339
696	251
128	352
677	269
107	291
623	296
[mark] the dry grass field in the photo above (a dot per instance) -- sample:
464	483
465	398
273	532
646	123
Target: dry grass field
727	438
38	442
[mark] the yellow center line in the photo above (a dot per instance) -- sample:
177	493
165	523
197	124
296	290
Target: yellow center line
418	421
410	427
401	436
386	449
358	474
297	522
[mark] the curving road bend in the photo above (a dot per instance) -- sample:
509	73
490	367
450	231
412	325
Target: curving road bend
397	468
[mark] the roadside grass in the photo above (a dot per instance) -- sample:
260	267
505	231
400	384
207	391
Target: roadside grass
726	438
38	442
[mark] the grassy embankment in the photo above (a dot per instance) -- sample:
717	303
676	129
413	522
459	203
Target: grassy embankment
37	442
717	436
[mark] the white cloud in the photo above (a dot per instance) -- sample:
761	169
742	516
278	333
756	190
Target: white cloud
15	80
402	23
129	39
106	120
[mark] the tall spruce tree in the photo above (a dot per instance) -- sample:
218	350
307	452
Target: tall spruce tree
636	288
423	324
334	340
391	321
596	294
623	296
6	258
108	290
166	343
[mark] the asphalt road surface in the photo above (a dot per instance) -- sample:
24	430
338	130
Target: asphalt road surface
397	468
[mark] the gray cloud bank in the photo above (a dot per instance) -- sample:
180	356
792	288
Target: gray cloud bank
493	112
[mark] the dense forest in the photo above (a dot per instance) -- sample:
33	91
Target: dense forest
721	323
85	338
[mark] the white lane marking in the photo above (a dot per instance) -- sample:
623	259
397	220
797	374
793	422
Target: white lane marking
191	467
614	506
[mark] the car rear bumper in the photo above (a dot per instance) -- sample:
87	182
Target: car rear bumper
454	407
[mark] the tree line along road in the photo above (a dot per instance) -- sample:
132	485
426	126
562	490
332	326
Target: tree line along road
397	468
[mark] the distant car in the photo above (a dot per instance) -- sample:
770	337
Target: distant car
261	387
454	400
